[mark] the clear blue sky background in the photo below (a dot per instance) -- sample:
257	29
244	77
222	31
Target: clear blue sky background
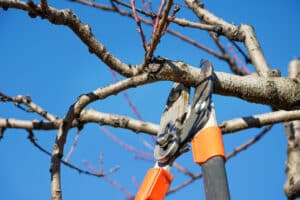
50	64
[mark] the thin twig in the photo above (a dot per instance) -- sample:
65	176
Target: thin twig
125	145
237	59
73	146
226	57
172	32
128	100
33	140
157	34
27	101
246	57
138	23
249	142
157	19
109	180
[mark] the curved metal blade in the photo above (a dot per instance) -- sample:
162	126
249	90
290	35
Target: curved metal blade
200	107
167	138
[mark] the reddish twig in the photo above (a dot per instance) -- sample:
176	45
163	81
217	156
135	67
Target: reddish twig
226	57
246	57
172	32
139	26
129	195
125	145
238	60
135	182
128	100
158	15
73	146
109	180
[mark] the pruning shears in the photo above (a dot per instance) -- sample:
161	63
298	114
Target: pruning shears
181	124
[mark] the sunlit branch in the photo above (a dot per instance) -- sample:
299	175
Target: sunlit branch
83	31
244	33
27	101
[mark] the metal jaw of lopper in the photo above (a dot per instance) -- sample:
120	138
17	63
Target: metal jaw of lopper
181	122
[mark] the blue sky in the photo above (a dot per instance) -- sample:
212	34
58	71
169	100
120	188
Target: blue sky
50	64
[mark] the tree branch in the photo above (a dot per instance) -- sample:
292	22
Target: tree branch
26	100
292	129
83	31
33	140
269	91
244	33
258	120
87	116
74	113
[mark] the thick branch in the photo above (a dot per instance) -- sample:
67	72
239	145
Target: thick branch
87	116
258	120
256	54
292	184
118	121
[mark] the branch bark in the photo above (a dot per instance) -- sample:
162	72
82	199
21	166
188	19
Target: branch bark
280	93
83	31
73	113
88	116
292	184
244	33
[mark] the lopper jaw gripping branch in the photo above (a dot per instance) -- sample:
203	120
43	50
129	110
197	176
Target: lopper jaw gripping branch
182	123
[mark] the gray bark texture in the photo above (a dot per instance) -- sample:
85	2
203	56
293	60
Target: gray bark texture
292	184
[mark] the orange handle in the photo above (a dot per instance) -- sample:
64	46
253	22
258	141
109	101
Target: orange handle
155	185
208	143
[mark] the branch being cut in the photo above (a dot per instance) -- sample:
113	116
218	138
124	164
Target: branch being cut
87	116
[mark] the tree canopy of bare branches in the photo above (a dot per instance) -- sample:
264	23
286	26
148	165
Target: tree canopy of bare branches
86	82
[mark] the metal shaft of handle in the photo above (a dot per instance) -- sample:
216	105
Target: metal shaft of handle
215	179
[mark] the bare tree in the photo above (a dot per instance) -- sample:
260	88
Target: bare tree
265	86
